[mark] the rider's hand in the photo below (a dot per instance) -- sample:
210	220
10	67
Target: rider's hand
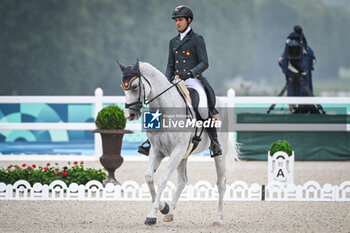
280	59
187	75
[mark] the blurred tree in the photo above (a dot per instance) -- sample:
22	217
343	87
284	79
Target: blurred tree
63	47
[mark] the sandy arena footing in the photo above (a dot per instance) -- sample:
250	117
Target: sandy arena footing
257	216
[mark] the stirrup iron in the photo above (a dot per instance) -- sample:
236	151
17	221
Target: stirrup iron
144	149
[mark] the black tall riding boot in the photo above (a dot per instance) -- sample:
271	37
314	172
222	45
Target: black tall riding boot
144	149
215	148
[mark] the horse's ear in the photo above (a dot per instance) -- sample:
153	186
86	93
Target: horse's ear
122	67
136	67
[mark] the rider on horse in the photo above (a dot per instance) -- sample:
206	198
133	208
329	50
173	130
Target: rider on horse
187	60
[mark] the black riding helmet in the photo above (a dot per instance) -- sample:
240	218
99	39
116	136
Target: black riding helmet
182	11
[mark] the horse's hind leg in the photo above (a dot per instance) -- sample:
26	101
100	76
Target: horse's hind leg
181	182
220	165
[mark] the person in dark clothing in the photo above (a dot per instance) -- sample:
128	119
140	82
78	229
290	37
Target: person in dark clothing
187	61
297	63
297	59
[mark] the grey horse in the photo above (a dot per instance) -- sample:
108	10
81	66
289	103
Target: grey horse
141	83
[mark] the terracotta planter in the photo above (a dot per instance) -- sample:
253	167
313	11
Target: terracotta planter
111	146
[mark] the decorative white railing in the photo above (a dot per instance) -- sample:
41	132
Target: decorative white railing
231	100
200	191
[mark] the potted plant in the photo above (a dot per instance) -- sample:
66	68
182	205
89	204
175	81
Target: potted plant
281	145
111	122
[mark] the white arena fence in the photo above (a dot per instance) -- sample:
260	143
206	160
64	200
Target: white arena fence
200	191
279	188
99	99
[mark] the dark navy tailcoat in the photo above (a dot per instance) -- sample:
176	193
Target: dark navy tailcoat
190	54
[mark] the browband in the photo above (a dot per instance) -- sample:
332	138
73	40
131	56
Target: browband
126	82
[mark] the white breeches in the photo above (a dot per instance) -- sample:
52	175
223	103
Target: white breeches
197	85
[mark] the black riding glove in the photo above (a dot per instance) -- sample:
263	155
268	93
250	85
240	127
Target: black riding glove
187	75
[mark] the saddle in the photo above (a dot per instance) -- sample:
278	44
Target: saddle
184	91
191	98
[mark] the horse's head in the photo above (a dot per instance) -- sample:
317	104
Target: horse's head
134	89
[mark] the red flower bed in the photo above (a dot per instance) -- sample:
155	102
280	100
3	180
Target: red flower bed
45	175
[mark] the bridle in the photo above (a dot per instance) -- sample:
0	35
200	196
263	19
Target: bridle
137	105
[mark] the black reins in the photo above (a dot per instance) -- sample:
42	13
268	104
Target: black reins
173	85
139	103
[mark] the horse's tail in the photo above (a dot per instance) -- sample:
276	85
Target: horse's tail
230	146
233	152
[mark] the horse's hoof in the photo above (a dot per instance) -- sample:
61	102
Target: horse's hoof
168	218
166	209
150	221
216	224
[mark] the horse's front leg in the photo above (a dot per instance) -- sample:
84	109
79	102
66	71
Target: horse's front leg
181	182
173	162
154	161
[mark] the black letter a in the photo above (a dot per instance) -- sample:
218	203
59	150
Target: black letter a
280	172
